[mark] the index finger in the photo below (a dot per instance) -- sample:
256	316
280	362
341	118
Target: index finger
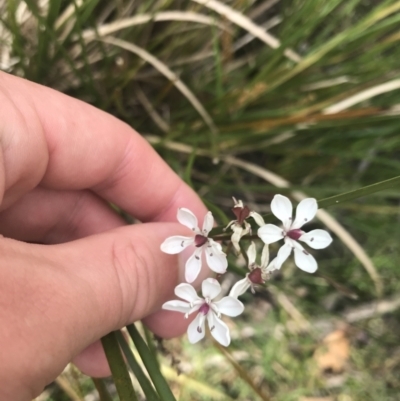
59	142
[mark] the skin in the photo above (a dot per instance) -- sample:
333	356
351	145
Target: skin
71	270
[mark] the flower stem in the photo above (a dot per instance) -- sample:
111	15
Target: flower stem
118	368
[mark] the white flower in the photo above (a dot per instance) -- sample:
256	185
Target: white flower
216	259
207	309
258	274
240	226
282	208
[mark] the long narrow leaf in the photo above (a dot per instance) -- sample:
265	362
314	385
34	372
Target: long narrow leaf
102	389
151	364
144	382
163	69
118	368
360	192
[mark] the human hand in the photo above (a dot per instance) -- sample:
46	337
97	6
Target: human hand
70	269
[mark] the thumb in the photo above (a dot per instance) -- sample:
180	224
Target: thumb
61	298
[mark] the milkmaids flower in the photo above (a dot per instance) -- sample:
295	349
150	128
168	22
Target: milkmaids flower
258	274
207	309
216	259
282	208
240	226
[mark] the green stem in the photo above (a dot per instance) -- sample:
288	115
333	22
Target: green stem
144	382
151	364
118	368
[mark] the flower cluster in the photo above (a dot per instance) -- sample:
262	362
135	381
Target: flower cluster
210	309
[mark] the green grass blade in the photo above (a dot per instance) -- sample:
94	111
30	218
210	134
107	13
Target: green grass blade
151	364
358	193
118	368
331	201
144	382
150	343
101	388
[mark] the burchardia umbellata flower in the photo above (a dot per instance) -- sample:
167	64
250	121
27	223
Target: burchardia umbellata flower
216	259
291	232
207	309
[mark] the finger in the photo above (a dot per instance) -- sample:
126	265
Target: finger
106	281
92	361
48	216
70	145
144	276
52	217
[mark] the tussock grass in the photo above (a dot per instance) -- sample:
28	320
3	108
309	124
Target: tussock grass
314	99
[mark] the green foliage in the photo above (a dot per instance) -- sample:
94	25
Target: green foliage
281	115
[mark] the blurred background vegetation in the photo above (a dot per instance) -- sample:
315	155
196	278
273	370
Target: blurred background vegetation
249	98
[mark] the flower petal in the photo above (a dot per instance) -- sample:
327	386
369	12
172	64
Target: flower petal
219	330
177	306
229	306
270	233
176	244
193	266
186	292
283	253
240	287
317	239
273	266
251	253
265	256
215	244
282	208
305	212
210	288
188	219
238	231
304	260
216	259
196	329
208	223
257	218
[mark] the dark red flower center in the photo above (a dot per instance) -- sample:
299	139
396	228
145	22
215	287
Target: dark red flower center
204	309
295	234
199	240
255	276
241	213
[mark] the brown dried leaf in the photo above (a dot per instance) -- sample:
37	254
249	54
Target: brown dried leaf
333	353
